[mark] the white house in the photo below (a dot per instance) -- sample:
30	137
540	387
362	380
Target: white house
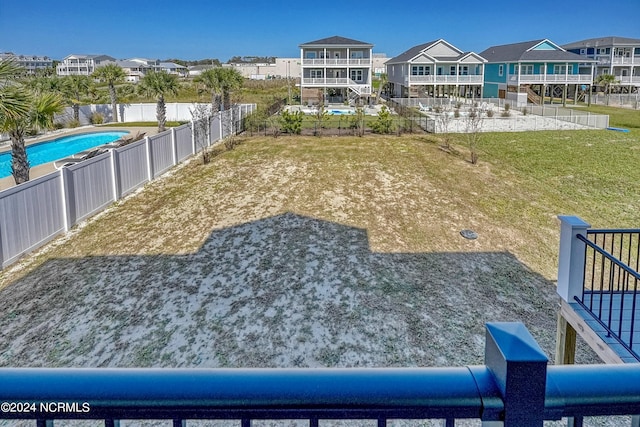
618	56
335	70
82	65
436	68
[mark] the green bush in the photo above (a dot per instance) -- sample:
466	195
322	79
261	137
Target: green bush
96	119
73	123
291	123
384	122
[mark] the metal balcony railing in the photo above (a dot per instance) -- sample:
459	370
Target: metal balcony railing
514	388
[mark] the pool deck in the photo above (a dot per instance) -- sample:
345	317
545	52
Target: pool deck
46	168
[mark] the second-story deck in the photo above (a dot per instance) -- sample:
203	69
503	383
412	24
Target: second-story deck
467	79
600	288
336	62
515	79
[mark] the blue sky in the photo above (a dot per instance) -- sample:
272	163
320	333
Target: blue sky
199	29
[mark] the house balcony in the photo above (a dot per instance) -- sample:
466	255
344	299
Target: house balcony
444	80
624	60
336	62
628	80
514	79
358	87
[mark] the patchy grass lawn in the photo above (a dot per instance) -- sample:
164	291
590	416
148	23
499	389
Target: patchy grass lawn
303	251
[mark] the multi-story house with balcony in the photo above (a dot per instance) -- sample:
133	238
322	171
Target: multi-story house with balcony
30	63
82	65
335	70
525	71
618	56
434	69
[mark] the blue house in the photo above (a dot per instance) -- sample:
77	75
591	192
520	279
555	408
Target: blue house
526	71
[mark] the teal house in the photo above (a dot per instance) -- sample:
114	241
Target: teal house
524	72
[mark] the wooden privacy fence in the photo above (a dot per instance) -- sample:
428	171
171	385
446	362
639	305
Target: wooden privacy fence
33	213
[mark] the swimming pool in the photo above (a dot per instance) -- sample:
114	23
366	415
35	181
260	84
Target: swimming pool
59	148
341	111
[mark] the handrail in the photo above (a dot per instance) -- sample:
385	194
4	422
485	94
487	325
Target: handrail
411	393
613	230
610	257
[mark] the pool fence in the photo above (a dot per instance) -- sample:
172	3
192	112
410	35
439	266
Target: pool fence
35	212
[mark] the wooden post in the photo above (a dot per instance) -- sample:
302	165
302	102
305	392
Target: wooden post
565	342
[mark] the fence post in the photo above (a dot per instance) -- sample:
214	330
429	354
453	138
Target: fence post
114	173
174	147
193	137
519	367
571	257
68	196
147	144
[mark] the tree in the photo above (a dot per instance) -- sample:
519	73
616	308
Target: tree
157	84
291	123
210	80
384	79
473	127
230	80
74	88
606	80
200	115
21	111
111	74
384	122
443	122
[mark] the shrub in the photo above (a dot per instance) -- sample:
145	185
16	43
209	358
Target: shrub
489	113
507	107
384	122
456	113
96	119
505	113
291	122
73	123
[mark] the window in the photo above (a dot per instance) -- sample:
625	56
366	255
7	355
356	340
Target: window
316	74
439	71
358	54
500	70
524	69
452	70
562	69
603	51
583	51
356	75
310	54
464	71
420	70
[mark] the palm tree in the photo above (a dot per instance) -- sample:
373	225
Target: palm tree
210	79
384	79
157	84
21	111
606	80
74	88
230	80
13	103
111	74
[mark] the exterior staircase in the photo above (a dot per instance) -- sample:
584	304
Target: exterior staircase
533	97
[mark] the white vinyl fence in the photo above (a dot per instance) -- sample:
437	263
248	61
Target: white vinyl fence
142	112
33	213
531	117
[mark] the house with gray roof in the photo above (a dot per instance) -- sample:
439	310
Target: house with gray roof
526	71
618	56
335	70
436	68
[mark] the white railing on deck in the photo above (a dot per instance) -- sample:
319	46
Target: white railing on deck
322	62
445	79
549	78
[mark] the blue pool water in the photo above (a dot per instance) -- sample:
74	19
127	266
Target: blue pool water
49	151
